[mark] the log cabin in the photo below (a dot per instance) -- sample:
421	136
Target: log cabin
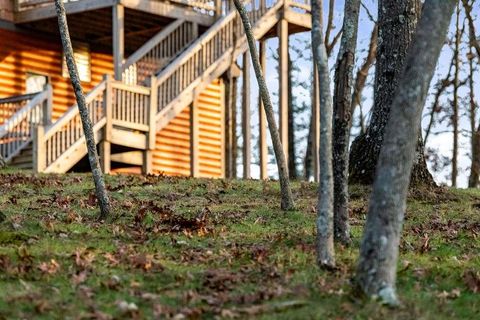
158	76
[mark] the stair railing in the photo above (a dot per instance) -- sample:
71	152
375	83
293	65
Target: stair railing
186	70
158	51
30	110
51	142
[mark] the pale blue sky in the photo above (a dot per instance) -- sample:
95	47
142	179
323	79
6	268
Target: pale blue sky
441	141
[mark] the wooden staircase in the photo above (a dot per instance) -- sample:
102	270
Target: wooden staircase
158	82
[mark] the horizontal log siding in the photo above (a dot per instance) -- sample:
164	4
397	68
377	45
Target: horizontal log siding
21	53
210	108
172	153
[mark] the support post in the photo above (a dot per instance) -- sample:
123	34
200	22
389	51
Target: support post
246	129
152	128
39	152
316	125
105	145
47	106
218	9
262	118
118	32
194	143
282	33
228	126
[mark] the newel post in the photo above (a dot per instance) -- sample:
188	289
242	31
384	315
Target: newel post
47	106
105	145
39	151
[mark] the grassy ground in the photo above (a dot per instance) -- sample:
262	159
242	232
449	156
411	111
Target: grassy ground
188	248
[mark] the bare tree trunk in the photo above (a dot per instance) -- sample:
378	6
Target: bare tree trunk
287	198
342	101
329	45
308	160
376	272
292	157
455	107
471	25
101	191
362	73
325	249
2	162
473	180
397	23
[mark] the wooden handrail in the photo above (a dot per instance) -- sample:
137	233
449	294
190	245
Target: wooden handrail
73	110
19	98
20	115
17	132
150	44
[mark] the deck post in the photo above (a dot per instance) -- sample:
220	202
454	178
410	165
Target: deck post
316	125
105	145
118	33
152	128
194	143
218	9
39	152
47	106
227	133
233	128
246	129
282	33
262	118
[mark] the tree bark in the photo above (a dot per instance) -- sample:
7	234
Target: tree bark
325	249
308	160
376	272
473	180
101	191
455	107
397	23
287	202
292	156
342	101
362	73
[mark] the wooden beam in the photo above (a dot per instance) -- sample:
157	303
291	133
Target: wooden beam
170	10
46	12
282	33
246	129
118	33
194	143
131	157
129	139
262	118
316	125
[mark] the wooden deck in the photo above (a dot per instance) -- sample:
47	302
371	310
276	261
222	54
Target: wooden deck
174	75
198	11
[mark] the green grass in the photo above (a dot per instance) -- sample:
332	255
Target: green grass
245	258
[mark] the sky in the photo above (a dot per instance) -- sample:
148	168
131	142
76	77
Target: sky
441	140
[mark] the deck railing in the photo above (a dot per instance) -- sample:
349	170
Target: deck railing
158	51
202	6
51	142
17	131
212	45
110	103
